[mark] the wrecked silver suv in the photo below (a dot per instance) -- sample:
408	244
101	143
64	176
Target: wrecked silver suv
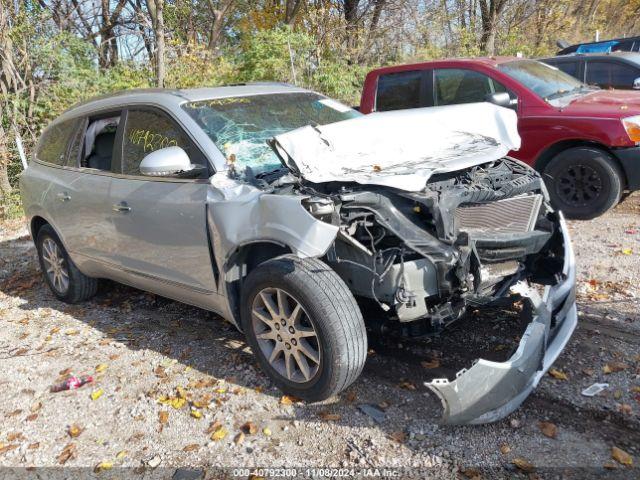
287	212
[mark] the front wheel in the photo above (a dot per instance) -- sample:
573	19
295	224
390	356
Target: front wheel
304	326
583	182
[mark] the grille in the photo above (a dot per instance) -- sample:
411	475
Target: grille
510	215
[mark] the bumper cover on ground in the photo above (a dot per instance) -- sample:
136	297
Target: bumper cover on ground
489	391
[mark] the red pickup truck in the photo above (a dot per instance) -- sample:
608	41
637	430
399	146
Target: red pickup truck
584	141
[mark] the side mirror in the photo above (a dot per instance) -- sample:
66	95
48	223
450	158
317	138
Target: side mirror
166	162
502	99
636	84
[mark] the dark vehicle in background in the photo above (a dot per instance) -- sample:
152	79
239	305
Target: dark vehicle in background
629	44
585	141
620	70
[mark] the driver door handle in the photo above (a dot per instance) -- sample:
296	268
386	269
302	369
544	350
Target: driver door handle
121	207
63	196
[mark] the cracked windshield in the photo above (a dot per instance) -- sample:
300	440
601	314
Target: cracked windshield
241	126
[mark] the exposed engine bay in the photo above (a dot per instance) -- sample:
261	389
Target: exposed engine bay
425	256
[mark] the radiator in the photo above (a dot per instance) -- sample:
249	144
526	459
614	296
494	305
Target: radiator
510	215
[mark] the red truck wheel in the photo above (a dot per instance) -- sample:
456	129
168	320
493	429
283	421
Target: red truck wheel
583	182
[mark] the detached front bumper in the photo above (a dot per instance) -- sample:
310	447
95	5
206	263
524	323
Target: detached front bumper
489	391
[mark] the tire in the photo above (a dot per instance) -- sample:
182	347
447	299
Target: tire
326	306
78	287
583	182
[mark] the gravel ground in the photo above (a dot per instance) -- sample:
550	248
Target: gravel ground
174	386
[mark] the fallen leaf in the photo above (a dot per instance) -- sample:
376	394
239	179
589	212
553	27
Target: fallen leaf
219	434
330	417
96	394
74	430
32	417
625	409
191	447
621	456
163	417
287	400
471	473
548	429
589	372
196	414
617	394
182	393
101	368
504	448
351	396
14	436
68	452
213	426
614	367
266	431
35	407
610	466
121	454
407	385
33	446
160	372
7	448
626	251
399	436
384	405
435	363
72	331
558	374
239	438
249	428
102	466
523	465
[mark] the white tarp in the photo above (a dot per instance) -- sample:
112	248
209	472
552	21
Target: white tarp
401	149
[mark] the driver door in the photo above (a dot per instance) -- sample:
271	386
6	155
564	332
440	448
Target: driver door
160	223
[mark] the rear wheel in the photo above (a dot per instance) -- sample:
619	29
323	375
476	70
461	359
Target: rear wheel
304	326
63	277
583	182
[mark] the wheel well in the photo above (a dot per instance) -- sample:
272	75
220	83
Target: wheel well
243	261
36	224
545	157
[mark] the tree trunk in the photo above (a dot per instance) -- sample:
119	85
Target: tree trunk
157	20
5	186
490	11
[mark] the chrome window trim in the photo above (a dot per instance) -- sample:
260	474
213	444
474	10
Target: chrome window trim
93	171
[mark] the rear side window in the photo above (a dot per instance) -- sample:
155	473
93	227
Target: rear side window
147	131
611	74
454	86
54	142
398	91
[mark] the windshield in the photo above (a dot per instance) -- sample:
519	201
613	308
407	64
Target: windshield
545	80
241	126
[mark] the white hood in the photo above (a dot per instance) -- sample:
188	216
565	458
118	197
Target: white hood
401	149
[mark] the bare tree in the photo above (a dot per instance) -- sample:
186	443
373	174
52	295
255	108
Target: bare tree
490	12
156	13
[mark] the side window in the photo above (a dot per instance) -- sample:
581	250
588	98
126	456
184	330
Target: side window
398	91
570	68
53	144
150	130
611	75
454	86
99	142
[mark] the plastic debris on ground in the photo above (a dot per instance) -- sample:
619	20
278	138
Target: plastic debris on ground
594	389
71	383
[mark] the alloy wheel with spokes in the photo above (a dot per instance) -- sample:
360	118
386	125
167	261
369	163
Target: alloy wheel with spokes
55	265
286	335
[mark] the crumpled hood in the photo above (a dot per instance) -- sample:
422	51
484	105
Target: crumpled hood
401	149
